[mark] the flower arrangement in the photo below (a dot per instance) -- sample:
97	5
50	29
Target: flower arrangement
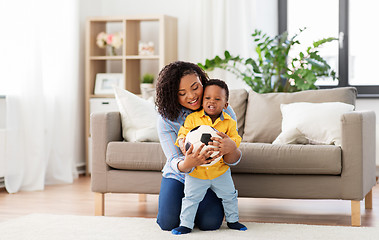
114	41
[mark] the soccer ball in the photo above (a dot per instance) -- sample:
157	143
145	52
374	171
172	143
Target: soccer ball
202	134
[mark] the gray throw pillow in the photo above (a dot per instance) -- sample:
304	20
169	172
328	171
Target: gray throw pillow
263	116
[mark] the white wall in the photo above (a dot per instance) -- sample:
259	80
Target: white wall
2	112
371	104
2	138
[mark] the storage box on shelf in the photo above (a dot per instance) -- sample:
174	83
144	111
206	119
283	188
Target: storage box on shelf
160	29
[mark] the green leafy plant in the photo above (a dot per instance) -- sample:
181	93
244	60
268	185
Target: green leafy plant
273	70
147	78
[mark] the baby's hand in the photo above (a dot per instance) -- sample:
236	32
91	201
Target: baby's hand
224	144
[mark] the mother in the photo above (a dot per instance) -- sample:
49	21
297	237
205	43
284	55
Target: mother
179	93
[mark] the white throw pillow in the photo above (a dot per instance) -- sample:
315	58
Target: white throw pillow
319	123
292	136
138	117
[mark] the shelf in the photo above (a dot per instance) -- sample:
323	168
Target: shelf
102	96
105	96
106	19
142	57
106	58
159	29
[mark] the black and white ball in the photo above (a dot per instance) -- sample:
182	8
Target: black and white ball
202	134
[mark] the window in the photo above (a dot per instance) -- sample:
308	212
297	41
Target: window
354	55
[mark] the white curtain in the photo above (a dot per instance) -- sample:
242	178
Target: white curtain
219	25
39	76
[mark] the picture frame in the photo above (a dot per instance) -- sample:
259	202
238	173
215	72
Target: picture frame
105	82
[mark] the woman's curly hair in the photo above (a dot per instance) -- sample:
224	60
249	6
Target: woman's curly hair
167	87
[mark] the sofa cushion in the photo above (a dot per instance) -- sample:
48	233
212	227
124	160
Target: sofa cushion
256	158
319	122
238	101
263	117
289	159
135	156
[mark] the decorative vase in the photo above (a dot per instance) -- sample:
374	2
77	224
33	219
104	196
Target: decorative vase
112	51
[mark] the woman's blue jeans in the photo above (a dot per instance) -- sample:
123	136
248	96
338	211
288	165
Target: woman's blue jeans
209	216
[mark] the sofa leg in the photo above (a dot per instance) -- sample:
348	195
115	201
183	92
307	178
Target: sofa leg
368	200
142	197
356	213
99	204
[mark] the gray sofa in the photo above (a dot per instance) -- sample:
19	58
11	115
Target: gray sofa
293	171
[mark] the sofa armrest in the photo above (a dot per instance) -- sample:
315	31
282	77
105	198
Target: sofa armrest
358	154
105	128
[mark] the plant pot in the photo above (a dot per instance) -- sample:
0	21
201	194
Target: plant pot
147	90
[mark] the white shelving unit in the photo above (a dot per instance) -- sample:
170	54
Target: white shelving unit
160	29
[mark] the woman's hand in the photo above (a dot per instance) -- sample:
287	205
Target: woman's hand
194	158
182	146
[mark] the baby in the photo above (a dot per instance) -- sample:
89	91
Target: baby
217	176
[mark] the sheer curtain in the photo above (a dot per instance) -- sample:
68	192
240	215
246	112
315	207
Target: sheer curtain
39	76
219	25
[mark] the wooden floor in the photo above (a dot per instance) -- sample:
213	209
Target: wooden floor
77	199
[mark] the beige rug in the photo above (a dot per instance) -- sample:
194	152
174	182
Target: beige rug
56	227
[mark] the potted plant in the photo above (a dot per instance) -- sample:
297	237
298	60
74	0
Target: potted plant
147	78
273	70
147	86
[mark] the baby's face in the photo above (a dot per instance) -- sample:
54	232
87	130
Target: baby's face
214	100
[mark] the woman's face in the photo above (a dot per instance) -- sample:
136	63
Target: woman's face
190	92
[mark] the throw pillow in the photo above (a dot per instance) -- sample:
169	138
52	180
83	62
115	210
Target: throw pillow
318	122
238	101
138	117
292	136
263	117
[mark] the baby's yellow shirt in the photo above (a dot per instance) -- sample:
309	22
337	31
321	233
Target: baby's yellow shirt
225	124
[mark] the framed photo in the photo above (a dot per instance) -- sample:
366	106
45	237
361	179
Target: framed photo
106	81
